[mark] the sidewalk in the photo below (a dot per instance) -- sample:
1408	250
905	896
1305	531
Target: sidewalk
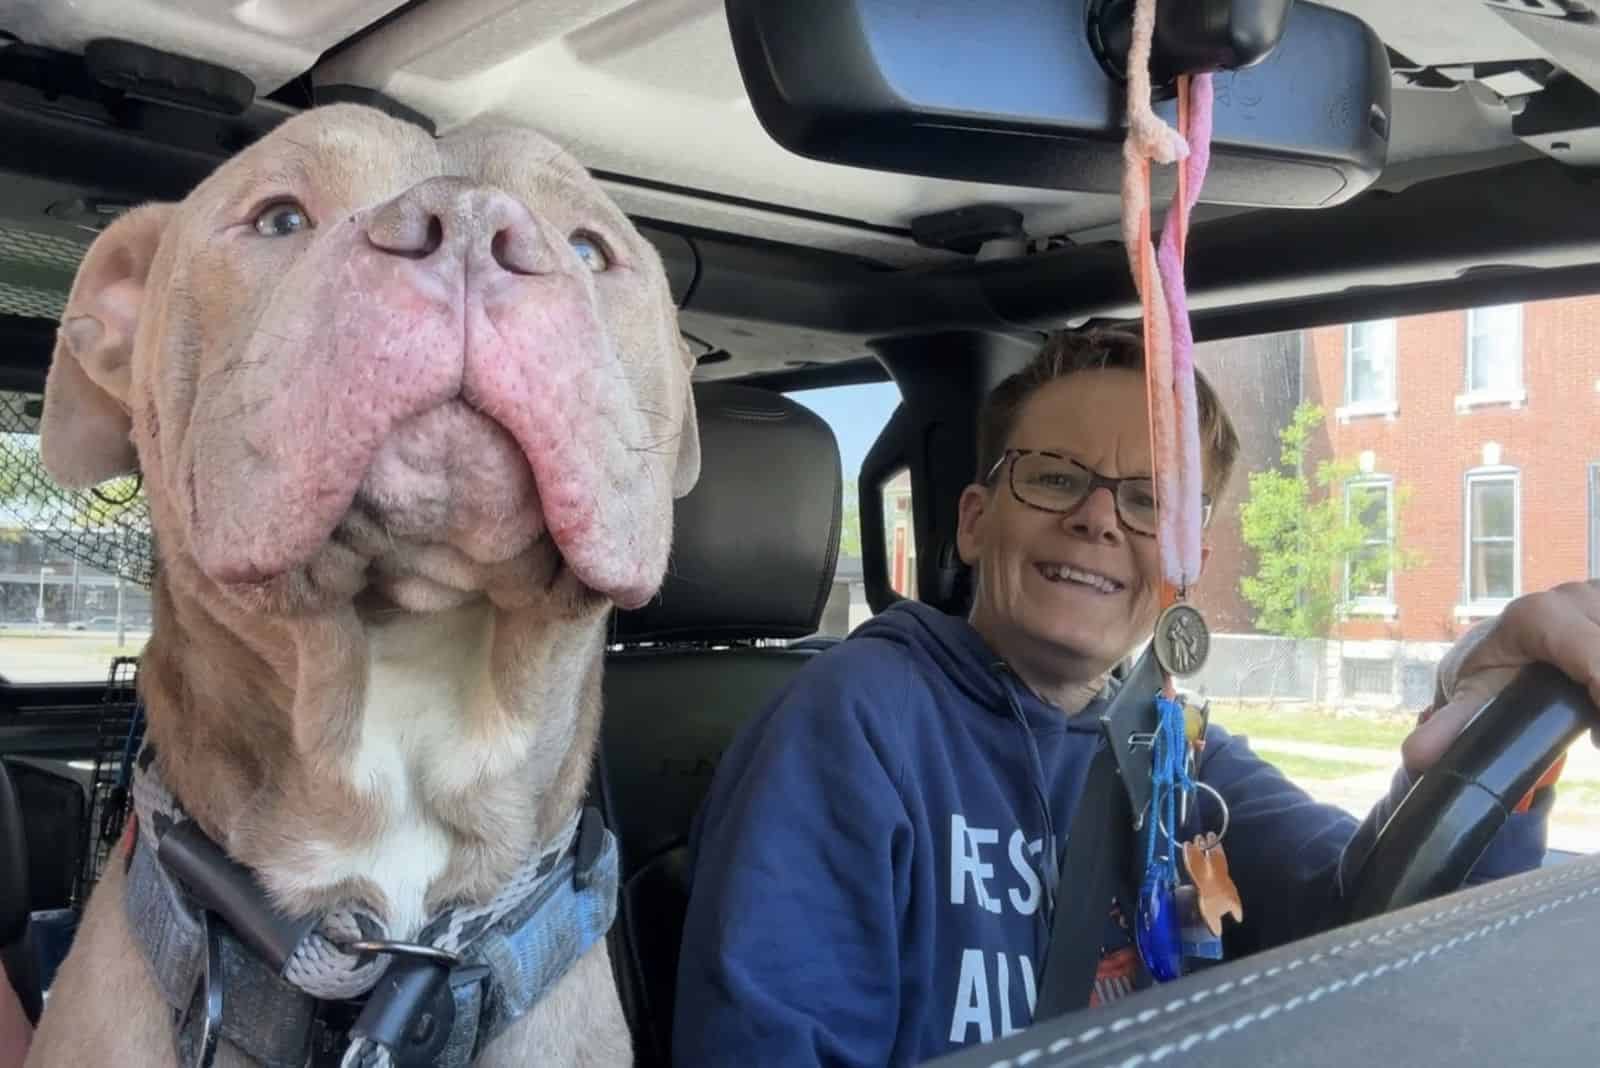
1573	826
1583	759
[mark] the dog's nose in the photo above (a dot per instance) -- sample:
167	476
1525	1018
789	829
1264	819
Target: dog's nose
450	219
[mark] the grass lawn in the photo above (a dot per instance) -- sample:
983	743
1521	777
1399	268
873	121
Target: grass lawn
1299	767
1310	724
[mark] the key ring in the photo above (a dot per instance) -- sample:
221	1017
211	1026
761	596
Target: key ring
1208	788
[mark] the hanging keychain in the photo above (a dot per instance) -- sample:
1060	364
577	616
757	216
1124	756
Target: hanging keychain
1157	927
1174	919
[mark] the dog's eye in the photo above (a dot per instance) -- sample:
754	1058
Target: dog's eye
281	219
592	251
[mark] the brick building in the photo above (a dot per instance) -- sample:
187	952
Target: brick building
1477	435
1478	432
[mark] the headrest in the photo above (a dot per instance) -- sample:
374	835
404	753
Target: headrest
755	542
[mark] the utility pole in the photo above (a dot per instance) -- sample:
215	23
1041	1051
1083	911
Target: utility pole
122	628
43	571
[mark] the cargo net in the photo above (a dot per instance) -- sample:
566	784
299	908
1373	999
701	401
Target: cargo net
105	528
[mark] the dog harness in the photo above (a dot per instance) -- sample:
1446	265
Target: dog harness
330	990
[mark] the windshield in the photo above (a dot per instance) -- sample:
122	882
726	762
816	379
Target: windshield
1399	481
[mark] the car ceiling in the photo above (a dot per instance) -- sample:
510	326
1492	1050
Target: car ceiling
789	270
647	93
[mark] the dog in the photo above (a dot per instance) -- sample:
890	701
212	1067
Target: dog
411	414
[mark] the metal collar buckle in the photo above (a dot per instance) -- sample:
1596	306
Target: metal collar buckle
208	998
412	1010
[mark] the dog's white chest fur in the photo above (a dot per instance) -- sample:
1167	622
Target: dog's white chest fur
426	675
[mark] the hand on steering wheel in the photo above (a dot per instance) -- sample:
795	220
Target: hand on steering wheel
1559	627
1516	693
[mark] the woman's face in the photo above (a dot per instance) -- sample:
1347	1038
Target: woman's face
1081	589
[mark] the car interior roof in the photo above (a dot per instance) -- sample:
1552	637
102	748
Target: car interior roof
790	271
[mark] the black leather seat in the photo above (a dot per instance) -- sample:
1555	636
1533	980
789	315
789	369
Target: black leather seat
43	825
753	560
16	903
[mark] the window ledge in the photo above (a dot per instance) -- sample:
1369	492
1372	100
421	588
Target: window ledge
1364	410
1370	609
1481	611
1516	398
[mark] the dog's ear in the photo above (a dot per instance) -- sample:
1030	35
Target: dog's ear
687	472
84	433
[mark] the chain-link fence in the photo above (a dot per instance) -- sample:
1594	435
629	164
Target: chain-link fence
105	528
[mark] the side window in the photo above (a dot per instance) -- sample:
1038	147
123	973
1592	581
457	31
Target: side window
66	608
857	415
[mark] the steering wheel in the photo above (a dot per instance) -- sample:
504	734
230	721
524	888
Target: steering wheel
1435	836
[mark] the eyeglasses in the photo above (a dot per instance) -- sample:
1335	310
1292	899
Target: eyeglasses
1055	483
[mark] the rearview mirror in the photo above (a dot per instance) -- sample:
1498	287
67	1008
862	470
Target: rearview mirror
1013	92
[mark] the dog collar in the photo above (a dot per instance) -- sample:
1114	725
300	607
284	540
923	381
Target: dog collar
334	990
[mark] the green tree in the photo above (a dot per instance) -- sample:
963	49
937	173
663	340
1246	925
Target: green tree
1304	536
19	462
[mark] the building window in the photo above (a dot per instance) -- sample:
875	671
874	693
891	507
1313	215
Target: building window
1594	520
1369	572
1494	566
1494	357
1494	349
1369	375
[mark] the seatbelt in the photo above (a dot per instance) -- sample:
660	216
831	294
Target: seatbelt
1099	862
1094	870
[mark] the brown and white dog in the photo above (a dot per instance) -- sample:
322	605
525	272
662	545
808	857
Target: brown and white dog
411	415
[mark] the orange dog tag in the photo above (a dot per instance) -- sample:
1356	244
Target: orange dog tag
1208	867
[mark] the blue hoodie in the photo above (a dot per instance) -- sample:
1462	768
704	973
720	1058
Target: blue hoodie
869	885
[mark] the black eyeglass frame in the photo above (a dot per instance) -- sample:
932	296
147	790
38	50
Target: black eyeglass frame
1096	480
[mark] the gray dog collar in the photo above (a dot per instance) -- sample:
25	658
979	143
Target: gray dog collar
335	990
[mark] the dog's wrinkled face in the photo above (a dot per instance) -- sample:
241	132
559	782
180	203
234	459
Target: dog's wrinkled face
361	364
